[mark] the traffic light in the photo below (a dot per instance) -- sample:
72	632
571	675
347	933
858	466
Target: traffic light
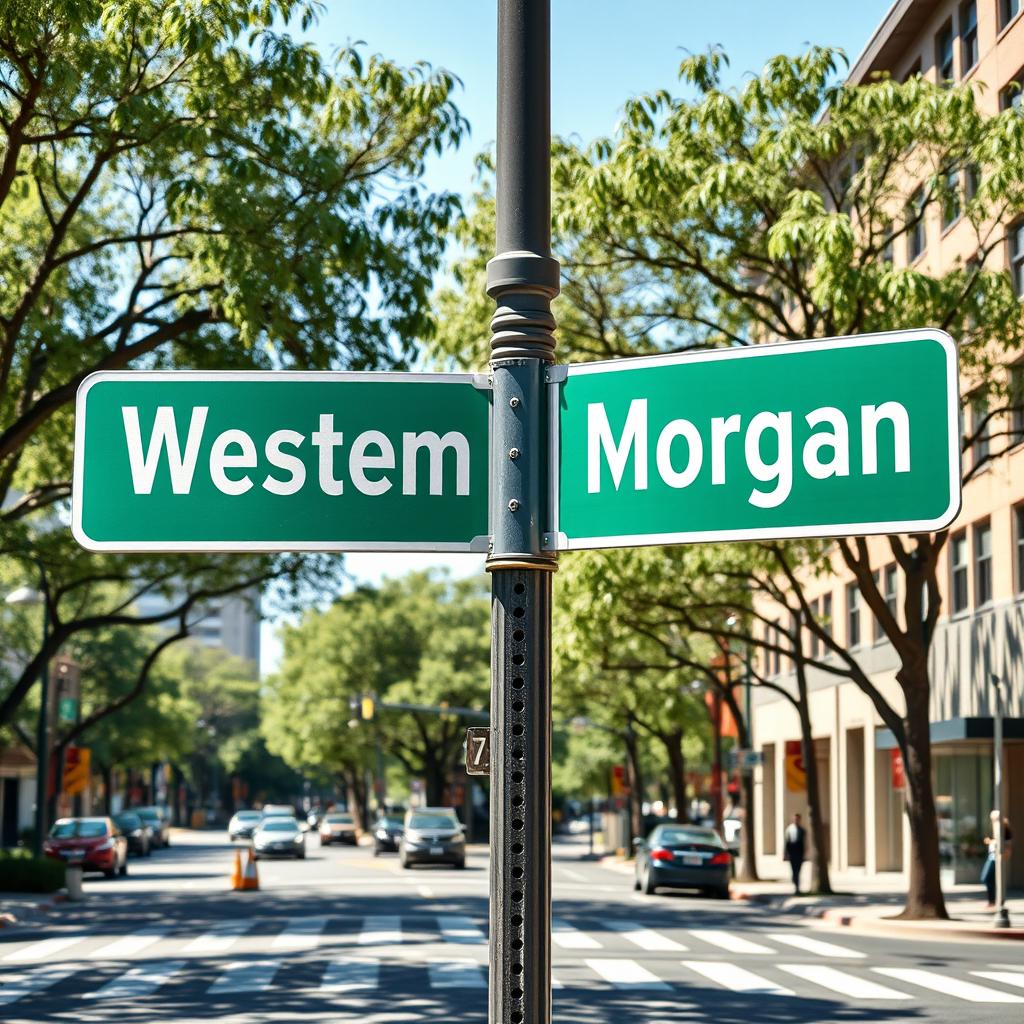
366	707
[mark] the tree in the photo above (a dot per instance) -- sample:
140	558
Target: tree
418	640
769	212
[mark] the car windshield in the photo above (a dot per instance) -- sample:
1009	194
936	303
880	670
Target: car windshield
127	821
280	825
248	815
678	836
149	813
432	821
389	823
79	828
339	819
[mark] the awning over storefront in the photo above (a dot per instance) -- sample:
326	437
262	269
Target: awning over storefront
953	729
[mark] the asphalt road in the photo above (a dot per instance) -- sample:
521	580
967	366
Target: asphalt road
343	936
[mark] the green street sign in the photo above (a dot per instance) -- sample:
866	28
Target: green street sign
836	437
281	461
67	710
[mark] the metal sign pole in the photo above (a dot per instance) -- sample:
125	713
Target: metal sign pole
522	279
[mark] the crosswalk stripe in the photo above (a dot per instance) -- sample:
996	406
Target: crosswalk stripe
646	938
381	930
457	973
1010	977
841	982
727	940
627	974
738	979
810	945
565	936
301	933
948	986
43	949
128	945
16	986
138	981
347	975
220	938
462	930
246	976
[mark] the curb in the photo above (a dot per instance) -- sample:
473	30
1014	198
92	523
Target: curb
8	919
837	918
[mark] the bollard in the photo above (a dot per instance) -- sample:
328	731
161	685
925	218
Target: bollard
73	882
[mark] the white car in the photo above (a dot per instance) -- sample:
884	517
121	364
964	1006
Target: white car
279	837
243	824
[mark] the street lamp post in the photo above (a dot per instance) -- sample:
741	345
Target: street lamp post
31	596
1002	918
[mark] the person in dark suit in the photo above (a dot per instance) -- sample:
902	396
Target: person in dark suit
795	849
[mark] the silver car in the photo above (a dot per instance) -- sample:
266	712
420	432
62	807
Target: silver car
432	835
279	837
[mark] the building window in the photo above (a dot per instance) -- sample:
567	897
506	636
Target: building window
951	198
852	616
968	36
981	429
1016	239
826	616
1008	10
982	563
891	590
1016	403
972	181
1018	543
958	571
815	639
1011	96
944	53
877	633
916	237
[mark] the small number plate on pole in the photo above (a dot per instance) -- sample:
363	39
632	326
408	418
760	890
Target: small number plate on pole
478	750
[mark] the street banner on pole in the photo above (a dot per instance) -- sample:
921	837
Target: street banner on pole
796	773
281	461
835	437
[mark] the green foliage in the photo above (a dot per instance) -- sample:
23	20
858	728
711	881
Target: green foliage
21	872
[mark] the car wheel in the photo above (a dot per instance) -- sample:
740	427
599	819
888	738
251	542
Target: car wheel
722	893
461	865
647	883
405	864
636	884
167	842
112	873
301	855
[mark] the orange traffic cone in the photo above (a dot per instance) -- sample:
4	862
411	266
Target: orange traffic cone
250	878
236	873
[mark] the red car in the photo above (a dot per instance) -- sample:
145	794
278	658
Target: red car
94	843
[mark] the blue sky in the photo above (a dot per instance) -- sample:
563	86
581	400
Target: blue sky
603	52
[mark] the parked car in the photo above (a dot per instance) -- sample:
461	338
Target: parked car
432	835
387	831
136	831
278	836
337	827
159	821
683	857
243	824
94	843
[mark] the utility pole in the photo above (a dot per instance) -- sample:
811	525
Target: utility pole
522	278
1002	917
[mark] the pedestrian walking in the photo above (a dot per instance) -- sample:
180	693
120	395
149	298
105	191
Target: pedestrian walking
795	849
988	871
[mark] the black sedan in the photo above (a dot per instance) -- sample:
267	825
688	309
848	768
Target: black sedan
136	831
683	857
387	831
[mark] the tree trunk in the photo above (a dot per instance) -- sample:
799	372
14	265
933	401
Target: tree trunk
108	789
636	788
820	880
435	779
748	847
673	742
924	895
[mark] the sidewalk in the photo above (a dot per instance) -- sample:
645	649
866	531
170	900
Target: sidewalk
872	907
19	907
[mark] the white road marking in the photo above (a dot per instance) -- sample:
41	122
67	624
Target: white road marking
246	976
138	981
646	938
565	936
460	973
347	975
841	982
739	979
627	974
128	945
1010	977
220	938
425	891
43	949
726	940
16	986
573	874
809	945
455	928
382	930
301	933
948	986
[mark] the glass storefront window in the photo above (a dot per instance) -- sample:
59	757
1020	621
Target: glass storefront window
963	795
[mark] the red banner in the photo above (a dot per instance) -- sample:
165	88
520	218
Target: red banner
899	777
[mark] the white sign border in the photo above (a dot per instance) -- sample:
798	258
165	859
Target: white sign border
480	381
555	540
